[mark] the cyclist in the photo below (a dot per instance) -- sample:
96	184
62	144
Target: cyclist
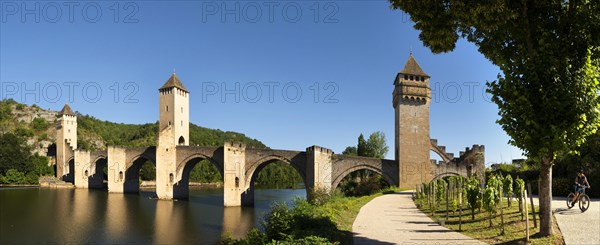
580	183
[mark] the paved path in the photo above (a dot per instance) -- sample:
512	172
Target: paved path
394	219
577	228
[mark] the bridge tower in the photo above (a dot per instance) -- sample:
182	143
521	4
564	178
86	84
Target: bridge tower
411	100
174	130
66	143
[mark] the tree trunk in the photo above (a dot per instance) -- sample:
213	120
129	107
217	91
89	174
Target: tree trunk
545	196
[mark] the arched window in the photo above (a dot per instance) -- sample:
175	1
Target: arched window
181	140
171	178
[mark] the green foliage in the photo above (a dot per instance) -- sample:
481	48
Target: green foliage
6	109
148	171
473	195
14	176
350	151
205	172
365	182
508	187
39	124
440	192
279	221
519	189
17	164
490	195
14	154
362	183
132	135
40	166
361	149
278	175
24	132
376	146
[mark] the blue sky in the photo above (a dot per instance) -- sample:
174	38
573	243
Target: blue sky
291	74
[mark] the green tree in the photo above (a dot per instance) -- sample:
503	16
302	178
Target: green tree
148	171
361	149
14	176
350	151
39	124
376	146
549	55
14	154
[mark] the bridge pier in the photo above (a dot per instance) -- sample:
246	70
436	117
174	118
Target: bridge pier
82	169
234	179
116	169
319	169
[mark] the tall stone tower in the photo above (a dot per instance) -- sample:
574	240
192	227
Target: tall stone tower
175	109
174	130
66	143
412	96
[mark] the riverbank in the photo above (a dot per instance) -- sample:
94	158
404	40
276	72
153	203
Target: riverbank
303	222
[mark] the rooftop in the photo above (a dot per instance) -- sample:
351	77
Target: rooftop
173	82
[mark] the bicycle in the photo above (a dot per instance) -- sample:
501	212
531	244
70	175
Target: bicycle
583	199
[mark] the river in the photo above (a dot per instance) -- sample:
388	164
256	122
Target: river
40	215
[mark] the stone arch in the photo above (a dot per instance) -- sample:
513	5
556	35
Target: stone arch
181	178
131	177
446	174
181	141
70	177
189	162
339	177
255	167
97	179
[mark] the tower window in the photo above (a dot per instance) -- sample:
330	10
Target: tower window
412	78
181	122
405	77
422	79
166	108
182	109
169	123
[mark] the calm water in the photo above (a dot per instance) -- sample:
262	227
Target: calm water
35	215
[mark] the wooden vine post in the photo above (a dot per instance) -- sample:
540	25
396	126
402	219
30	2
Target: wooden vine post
526	216
501	209
532	207
460	186
446	190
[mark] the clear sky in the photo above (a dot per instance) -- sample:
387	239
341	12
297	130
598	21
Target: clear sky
291	74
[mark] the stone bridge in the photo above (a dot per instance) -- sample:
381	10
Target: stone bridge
239	165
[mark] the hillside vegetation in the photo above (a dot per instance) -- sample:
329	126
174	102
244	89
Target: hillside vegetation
29	131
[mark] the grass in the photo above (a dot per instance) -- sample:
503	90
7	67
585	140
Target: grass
479	228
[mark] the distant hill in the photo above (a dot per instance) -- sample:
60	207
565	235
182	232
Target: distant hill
38	126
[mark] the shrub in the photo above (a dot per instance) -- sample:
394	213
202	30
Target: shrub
278	222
